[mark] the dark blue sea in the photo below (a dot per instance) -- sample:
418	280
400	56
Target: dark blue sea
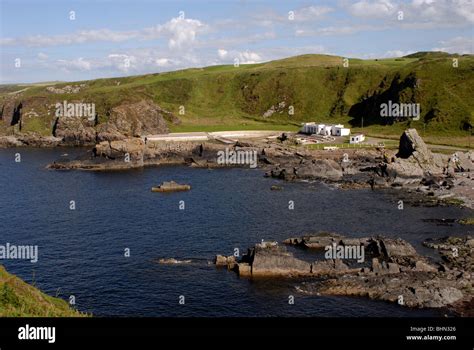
81	252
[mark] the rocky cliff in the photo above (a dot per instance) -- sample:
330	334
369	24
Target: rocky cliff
23	125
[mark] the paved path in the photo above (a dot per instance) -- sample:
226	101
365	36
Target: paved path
431	146
227	136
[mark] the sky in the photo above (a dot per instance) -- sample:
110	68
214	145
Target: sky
49	40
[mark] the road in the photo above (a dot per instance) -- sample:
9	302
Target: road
225	136
430	146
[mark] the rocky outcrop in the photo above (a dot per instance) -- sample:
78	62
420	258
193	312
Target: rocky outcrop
413	289
135	120
399	274
8	110
171	186
279	108
318	241
323	169
75	131
139	152
414	160
393	270
68	89
125	120
412	145
128	151
29	140
456	253
268	259
228	261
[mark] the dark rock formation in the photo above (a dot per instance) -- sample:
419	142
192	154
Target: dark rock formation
414	160
394	272
135	120
75	131
230	261
411	144
270	259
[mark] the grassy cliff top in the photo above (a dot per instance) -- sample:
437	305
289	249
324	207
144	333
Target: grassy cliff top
19	299
317	87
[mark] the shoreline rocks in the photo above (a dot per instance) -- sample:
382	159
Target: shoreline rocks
393	270
435	178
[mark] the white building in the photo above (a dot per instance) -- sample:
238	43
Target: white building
357	138
325	129
320	128
309	128
340	130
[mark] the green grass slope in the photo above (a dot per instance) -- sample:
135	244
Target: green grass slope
19	299
318	87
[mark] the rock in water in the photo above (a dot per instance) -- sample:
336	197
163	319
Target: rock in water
273	260
172	261
170	186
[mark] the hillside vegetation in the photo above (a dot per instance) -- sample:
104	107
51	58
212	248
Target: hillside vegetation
19	299
301	88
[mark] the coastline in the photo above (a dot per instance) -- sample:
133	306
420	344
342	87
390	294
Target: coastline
414	168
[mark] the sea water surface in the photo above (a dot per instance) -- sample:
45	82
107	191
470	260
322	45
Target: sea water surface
82	251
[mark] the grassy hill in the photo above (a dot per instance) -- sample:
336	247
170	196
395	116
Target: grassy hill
317	87
19	299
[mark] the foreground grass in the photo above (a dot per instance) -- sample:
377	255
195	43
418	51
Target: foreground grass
19	299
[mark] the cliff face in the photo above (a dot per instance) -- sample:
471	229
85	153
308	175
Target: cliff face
19	299
126	119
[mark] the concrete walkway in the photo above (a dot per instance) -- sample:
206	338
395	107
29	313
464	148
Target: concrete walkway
224	136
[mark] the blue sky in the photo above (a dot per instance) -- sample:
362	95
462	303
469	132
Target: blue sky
40	42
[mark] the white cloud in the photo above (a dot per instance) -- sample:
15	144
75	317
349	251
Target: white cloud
42	56
372	9
396	53
162	62
339	30
79	64
222	53
79	37
248	57
460	45
180	33
417	13
310	13
122	62
244	57
465	9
